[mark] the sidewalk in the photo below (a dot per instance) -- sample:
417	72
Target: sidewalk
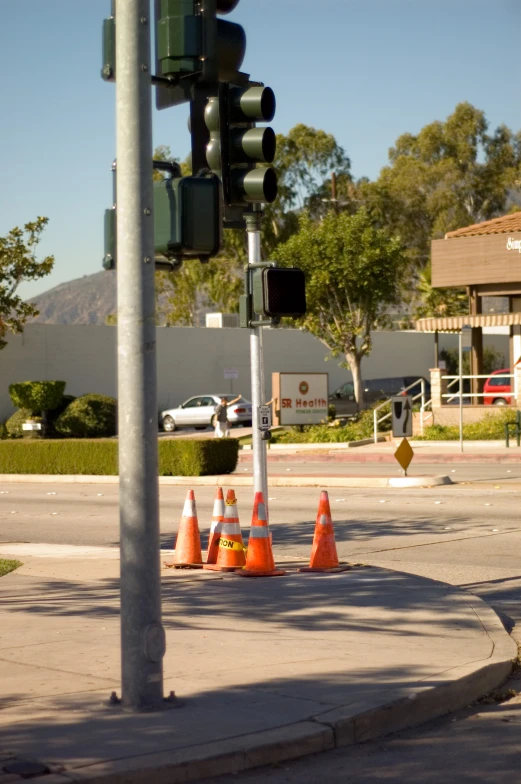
267	669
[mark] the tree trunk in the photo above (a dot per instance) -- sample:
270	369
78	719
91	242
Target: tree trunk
354	365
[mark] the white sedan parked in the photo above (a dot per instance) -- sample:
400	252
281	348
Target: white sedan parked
198	412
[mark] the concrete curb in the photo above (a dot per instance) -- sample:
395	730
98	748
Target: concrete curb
242	481
391	711
419	481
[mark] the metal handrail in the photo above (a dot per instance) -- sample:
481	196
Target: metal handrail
421	394
457	395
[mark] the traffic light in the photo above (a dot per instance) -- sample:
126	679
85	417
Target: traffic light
195	48
110	255
187	222
108	48
279	292
187	218
236	147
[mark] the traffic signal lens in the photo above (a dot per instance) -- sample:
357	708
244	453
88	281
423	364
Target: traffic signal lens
225	6
256	185
284	292
257	144
255	103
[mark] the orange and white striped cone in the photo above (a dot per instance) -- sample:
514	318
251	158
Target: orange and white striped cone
216	527
230	555
259	558
188	542
324	556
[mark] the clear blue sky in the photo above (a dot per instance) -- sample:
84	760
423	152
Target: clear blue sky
364	70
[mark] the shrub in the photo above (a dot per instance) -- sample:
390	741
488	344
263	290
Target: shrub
37	396
491	427
53	415
100	457
15	422
359	428
89	416
3	430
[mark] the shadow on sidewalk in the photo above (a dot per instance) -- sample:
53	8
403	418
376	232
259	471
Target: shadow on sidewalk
360	599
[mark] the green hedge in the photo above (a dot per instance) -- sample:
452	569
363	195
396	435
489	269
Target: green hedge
199	457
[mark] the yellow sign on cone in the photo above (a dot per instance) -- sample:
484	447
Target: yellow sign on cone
404	454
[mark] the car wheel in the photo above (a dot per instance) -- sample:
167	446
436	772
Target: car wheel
168	424
500	401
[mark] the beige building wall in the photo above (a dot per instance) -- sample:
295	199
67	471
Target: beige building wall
193	360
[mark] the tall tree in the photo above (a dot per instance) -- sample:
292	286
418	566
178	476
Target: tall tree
18	263
451	174
353	274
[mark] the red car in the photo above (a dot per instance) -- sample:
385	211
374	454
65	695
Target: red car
497	388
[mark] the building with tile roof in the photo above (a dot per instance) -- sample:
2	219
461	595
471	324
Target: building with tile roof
484	258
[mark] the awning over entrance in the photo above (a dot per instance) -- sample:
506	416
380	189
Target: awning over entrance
455	323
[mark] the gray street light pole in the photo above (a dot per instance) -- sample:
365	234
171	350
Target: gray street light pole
142	634
260	469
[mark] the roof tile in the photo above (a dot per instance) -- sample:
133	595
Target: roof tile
504	225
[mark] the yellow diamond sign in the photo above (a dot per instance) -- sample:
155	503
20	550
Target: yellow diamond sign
404	454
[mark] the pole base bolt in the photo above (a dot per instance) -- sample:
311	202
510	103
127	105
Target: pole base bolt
114	699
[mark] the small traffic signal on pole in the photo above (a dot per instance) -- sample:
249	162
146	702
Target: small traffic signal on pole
187	222
279	292
237	149
244	182
108	66
187	218
195	47
110	255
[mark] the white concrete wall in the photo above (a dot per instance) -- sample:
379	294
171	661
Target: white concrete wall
192	360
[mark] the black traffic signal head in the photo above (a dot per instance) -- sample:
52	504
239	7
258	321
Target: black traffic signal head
236	147
194	47
279	292
187	218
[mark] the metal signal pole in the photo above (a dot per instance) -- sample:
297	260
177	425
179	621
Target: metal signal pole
142	634
260	468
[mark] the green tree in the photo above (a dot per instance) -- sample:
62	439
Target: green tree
353	274
451	174
306	157
439	302
18	263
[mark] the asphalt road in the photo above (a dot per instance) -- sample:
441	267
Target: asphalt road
464	534
467	535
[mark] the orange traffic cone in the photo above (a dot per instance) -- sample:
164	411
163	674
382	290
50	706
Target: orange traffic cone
231	547
259	559
216	527
324	557
188	542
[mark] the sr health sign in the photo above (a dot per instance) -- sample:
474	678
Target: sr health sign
300	398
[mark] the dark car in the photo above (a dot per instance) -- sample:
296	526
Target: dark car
376	389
